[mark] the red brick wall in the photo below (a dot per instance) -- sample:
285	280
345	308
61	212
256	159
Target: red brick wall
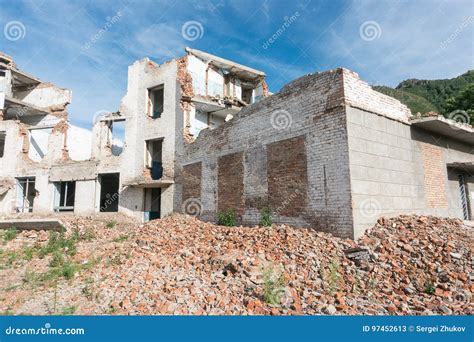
230	182
192	181
435	184
287	177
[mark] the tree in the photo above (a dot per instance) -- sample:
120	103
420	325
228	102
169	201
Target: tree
462	105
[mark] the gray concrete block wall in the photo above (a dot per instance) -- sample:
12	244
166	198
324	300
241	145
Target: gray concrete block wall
386	166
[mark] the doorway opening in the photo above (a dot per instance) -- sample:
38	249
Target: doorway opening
152	204
109	192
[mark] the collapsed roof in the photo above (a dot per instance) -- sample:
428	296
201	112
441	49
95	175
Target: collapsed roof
239	70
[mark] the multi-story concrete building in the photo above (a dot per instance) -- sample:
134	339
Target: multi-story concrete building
34	137
203	134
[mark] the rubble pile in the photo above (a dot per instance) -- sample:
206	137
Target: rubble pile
180	265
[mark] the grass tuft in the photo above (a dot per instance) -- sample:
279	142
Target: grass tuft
266	217
111	224
227	218
121	238
10	234
273	286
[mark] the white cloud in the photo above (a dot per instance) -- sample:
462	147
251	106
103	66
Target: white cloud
161	41
409	45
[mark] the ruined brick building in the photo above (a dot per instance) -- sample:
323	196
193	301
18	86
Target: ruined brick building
203	134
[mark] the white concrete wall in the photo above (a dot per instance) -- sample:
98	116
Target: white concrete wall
39	141
79	143
139	127
197	69
198	120
45	95
5	83
8	164
84	203
215	82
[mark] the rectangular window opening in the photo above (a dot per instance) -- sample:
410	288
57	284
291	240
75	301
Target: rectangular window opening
26	193
154	158
247	95
117	136
64	197
156	101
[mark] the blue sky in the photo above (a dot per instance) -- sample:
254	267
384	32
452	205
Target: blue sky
86	46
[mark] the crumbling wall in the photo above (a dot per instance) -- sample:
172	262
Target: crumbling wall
358	94
9	162
43	145
140	127
185	80
44	95
305	120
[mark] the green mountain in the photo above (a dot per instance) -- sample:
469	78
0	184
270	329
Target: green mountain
414	102
433	95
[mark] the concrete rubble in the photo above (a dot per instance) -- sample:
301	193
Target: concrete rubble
408	265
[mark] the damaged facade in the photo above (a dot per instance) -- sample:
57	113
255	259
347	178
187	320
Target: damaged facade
34	137
203	134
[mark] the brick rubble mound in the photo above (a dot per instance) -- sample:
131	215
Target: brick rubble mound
180	265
